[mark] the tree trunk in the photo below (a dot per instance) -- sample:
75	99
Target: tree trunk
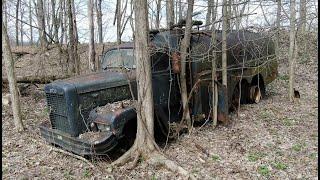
118	17
76	40
170	13
30	22
5	10
144	143
151	16
278	29
47	14
74	21
61	17
55	21
209	12
302	32
41	24
72	42
224	43
17	22
176	12
21	25
7	56
145	110
228	13
184	50
158	14
65	19
303	15
292	48
213	68
99	20
180	10
92	53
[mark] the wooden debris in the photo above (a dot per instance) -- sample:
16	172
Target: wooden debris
36	80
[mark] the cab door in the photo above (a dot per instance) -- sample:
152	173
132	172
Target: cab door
166	94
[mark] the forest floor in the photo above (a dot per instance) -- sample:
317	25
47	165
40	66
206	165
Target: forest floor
274	139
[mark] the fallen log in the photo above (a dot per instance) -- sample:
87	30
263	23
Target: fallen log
23	51
32	79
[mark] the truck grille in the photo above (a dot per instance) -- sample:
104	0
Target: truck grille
58	111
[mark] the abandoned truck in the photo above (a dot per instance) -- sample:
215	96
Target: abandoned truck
90	114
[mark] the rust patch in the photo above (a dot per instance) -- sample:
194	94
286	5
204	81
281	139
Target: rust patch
222	117
118	112
115	107
176	60
99	120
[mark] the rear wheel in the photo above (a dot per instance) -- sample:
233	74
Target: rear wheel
259	82
255	94
236	95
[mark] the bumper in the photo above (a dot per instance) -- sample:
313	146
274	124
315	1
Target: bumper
76	145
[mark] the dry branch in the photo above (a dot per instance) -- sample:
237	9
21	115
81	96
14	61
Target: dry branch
158	159
74	156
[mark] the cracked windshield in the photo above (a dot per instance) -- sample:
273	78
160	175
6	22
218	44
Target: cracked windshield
119	58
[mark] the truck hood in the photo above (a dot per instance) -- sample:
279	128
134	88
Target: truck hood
100	80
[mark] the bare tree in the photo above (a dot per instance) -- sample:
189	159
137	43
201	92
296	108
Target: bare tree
30	22
17	21
55	20
302	26
48	14
264	14
118	19
170	13
239	15
5	11
180	10
72	42
76	38
8	59
158	14
41	24
209	13
65	21
303	16
21	24
213	68
278	27
292	48
228	13
99	20
61	19
224	42
144	142
92	51
145	109
184	50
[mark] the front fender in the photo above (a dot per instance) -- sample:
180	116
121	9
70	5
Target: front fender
116	119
